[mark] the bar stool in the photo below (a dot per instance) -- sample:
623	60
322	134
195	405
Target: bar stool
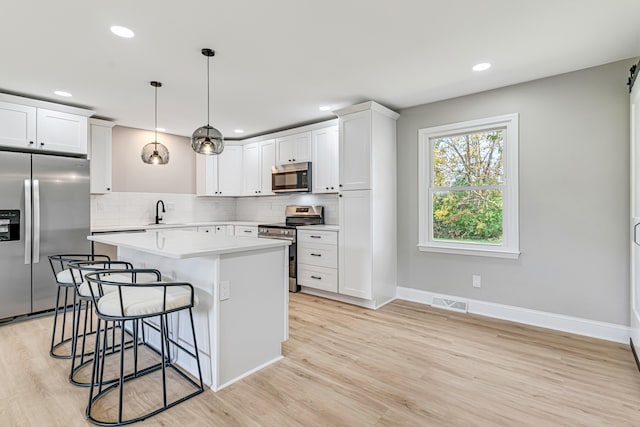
138	303
64	282
78	269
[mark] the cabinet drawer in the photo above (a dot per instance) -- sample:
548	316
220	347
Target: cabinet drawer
316	277
243	231
324	237
319	255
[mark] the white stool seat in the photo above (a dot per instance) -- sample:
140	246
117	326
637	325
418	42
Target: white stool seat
64	276
83	289
144	301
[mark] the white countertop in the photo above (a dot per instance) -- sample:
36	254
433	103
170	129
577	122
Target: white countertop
134	227
185	244
320	227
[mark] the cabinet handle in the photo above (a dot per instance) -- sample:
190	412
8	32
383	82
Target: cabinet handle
332	188
289	159
316	237
247	231
108	188
339	195
326	188
316	277
294	160
31	142
339	185
42	144
315	254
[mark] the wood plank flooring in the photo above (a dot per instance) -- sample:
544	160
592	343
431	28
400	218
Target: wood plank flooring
404	365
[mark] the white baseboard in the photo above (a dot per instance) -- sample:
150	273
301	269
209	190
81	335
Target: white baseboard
559	322
366	303
246	374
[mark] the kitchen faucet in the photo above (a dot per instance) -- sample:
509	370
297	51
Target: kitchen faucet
159	218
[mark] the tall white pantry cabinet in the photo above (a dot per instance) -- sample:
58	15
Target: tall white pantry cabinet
367	204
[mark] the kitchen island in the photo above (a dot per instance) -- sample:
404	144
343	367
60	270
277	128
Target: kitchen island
242	287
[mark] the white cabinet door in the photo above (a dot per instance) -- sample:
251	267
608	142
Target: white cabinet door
324	160
17	125
230	171
206	175
251	162
355	151
294	148
100	137
267	160
355	254
61	132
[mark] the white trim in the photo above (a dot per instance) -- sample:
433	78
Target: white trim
366	106
480	251
543	319
246	374
360	302
510	247
15	99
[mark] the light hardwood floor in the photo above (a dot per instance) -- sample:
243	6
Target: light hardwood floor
405	364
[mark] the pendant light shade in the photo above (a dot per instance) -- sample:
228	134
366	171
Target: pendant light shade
155	153
207	139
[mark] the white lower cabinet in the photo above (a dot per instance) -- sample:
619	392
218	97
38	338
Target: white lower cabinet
217	229
355	244
246	231
318	259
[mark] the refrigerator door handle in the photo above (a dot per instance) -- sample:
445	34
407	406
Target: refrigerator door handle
36	221
635	234
27	221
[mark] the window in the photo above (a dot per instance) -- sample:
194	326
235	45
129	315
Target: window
468	200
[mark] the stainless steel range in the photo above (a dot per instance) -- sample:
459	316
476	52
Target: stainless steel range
295	216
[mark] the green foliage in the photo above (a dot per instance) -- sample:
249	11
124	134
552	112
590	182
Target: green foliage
468	160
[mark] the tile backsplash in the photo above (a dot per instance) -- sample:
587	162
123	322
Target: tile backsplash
271	209
130	208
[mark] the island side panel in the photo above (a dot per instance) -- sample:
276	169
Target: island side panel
252	321
203	274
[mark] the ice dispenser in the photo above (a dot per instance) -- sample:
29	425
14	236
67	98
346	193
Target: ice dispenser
9	225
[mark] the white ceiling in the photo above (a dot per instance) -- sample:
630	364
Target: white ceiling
277	61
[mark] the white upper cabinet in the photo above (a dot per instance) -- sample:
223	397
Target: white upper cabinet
294	148
61	132
251	162
220	175
324	160
40	125
355	151
100	155
230	171
17	125
267	161
259	157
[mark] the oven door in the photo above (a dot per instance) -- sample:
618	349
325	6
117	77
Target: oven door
295	177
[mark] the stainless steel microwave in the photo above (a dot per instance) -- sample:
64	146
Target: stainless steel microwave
291	178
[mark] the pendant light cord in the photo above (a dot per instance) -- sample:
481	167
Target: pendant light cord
208	94
155	129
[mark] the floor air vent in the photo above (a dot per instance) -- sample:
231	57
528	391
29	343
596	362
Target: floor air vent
449	304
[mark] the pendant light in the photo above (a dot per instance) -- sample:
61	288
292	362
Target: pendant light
155	153
207	139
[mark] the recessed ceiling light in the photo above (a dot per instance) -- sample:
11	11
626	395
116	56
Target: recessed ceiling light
122	31
161	129
239	131
62	93
481	66
325	108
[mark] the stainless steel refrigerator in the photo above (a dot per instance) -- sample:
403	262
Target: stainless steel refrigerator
44	210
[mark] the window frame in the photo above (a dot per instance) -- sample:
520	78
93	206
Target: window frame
510	246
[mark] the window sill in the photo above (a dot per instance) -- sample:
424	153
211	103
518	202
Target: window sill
487	252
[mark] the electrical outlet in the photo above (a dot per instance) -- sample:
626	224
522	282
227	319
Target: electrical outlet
477	281
225	292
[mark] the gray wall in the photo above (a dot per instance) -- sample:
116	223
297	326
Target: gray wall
574	197
131	175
